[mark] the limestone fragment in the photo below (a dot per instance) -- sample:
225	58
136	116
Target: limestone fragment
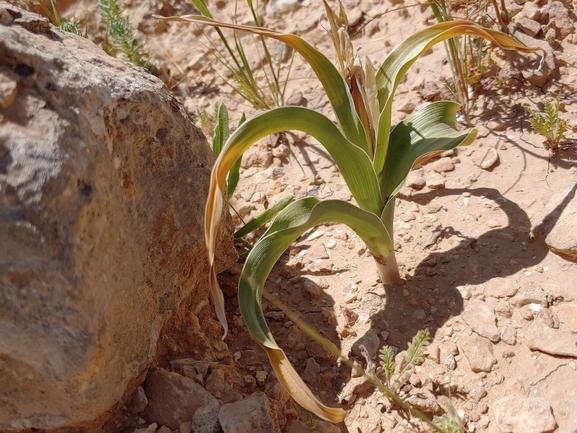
479	352
480	316
517	413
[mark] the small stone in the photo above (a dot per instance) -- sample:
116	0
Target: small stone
501	288
479	353
408	216
138	401
416	180
314	285
450	362
443	165
494	125
409	107
567	314
424	400
163	429
481	318
253	414
260	377
517	413
215	382
419	314
415	380
433	352
560	19
331	244
312	371
371	343
509	335
173	399
485	158
528	26
297	99
478	393
541	337
436	181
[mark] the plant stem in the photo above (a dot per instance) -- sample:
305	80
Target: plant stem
387	267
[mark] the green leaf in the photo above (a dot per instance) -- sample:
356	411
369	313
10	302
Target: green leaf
220	130
352	161
291	223
264	217
330	78
234	174
430	129
402	58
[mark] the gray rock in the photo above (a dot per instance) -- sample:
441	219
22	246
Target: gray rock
312	371
253	414
481	319
174	399
517	413
370	341
478	393
555	223
103	179
541	337
479	352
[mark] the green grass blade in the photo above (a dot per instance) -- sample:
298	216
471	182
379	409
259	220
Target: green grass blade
330	78
402	58
352	161
264	217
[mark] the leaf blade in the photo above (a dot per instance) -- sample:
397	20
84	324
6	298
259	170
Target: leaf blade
292	222
402	58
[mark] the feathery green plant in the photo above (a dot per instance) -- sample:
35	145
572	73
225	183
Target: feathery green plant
449	422
548	124
415	356
120	34
235	61
374	159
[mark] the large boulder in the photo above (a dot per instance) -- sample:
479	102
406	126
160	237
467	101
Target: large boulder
103	179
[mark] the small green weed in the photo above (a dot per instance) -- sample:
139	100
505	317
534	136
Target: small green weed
549	124
120	35
55	19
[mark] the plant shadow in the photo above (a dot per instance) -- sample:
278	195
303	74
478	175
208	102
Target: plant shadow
430	296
